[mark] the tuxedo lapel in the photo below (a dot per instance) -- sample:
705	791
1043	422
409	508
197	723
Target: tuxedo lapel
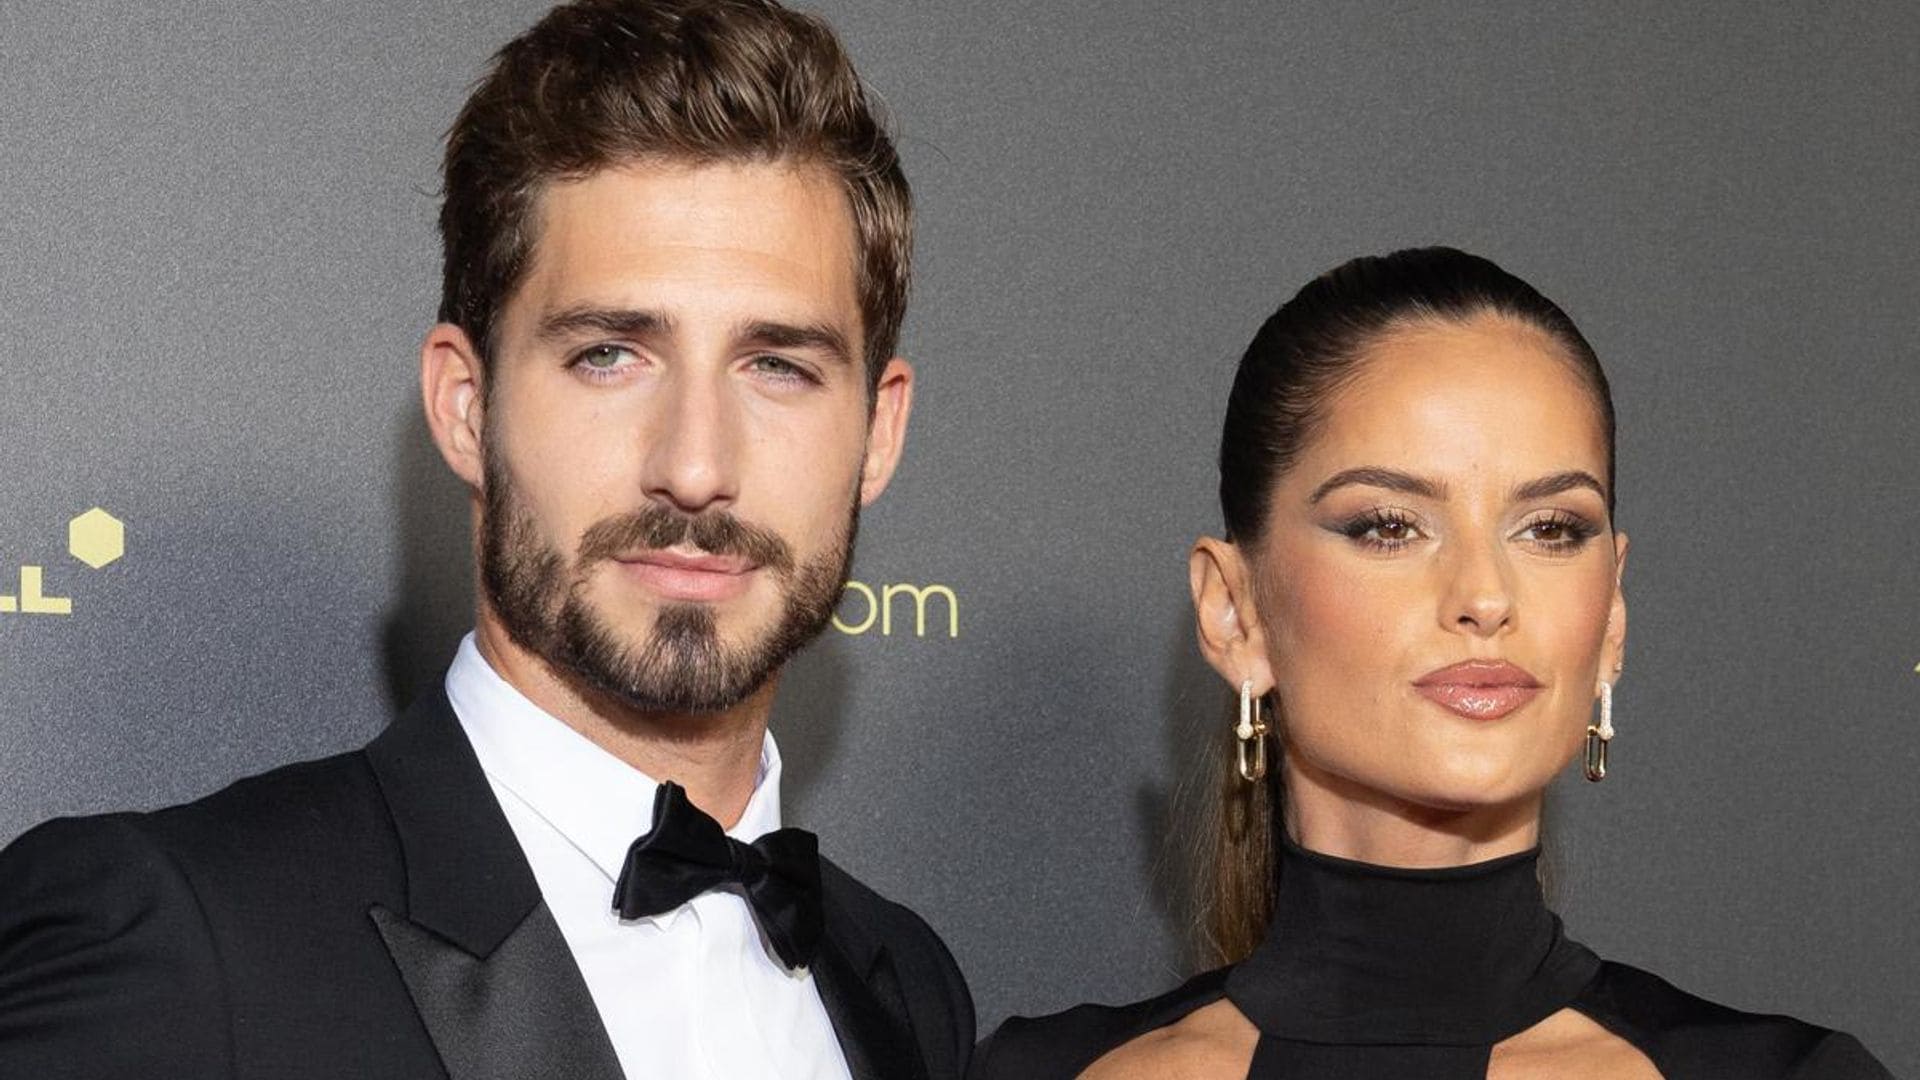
861	991
520	1013
485	963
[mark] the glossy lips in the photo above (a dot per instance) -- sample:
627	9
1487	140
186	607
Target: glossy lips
691	577
1479	689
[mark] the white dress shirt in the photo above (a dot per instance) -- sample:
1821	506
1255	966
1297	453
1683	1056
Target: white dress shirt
693	993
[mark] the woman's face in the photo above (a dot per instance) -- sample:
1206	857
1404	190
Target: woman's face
1437	590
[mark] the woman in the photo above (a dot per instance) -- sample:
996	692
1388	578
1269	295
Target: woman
1418	600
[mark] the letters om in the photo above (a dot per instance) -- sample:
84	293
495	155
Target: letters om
872	605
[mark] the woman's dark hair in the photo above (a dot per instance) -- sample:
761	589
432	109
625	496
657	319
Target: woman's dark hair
1310	348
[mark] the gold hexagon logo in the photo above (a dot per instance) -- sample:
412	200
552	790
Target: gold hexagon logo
96	538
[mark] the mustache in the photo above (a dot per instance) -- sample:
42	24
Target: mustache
715	532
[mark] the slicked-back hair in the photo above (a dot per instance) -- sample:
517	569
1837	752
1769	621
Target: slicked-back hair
604	83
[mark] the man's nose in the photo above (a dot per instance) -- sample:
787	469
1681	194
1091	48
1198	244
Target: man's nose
691	443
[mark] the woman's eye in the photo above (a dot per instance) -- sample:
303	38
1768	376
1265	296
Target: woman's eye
1559	532
1382	531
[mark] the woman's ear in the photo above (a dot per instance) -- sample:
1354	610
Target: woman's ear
1225	615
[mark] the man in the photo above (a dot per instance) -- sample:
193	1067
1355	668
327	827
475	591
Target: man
676	259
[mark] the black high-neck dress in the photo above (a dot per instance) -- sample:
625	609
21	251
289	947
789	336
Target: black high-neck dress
1371	972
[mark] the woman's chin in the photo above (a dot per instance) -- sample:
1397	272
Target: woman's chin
1469	783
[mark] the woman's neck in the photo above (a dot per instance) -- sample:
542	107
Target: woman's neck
1334	816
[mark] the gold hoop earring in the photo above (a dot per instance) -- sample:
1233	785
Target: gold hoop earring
1251	729
1600	735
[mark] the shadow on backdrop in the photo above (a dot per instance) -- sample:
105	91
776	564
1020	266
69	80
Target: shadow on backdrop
433	593
1169	811
810	716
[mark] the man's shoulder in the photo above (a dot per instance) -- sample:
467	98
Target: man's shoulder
300	788
296	816
280	812
856	911
171	942
845	892
865	922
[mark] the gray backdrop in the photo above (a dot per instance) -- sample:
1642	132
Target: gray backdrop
218	262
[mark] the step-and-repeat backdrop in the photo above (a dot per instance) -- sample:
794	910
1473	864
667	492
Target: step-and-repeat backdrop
225	542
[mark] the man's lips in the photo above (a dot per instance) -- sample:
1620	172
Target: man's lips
690	577
1479	689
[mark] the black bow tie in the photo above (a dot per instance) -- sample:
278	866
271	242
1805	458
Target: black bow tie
688	853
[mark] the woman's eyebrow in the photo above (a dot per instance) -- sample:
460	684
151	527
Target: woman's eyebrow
1373	476
1407	483
1557	483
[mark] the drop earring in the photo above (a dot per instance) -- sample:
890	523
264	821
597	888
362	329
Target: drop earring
1251	729
1600	735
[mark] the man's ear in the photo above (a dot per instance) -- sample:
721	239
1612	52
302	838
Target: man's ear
887	428
451	392
1613	652
1226	616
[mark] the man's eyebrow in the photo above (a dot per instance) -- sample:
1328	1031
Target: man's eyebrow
623	322
1557	483
823	337
1372	476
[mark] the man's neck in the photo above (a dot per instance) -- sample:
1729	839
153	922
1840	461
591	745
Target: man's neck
715	756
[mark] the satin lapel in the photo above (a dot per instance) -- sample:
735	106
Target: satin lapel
520	1013
467	879
869	1014
488	970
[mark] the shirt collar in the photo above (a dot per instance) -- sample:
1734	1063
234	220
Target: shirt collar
599	803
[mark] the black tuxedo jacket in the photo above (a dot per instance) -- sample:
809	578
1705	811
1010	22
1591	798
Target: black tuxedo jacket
369	916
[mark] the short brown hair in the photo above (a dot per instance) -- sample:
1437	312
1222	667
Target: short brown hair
597	83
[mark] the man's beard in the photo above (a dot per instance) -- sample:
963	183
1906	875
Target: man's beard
682	666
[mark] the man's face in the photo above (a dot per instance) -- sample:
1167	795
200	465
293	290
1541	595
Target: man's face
675	429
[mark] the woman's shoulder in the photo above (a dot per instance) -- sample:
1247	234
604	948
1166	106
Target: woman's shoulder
1065	1043
1688	1036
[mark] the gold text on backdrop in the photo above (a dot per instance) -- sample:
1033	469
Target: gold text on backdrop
875	605
96	538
